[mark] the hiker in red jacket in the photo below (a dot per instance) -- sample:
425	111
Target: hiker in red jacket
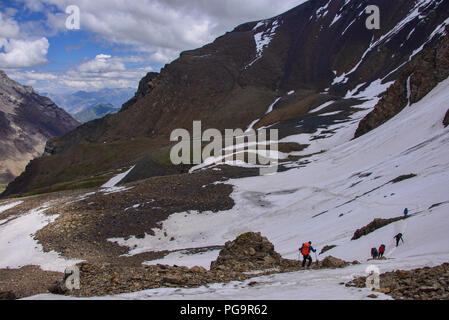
381	250
305	251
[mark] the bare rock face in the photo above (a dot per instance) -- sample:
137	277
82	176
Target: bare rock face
427	69
27	121
145	86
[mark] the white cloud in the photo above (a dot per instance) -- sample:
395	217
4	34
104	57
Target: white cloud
32	75
102	64
88	76
8	27
23	53
162	28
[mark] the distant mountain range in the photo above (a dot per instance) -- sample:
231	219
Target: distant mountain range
95	112
81	100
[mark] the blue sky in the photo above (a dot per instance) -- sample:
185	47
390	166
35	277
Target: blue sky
118	42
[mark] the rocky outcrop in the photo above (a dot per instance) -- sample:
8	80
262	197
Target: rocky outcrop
374	225
333	263
27	121
419	284
250	251
145	86
427	69
327	248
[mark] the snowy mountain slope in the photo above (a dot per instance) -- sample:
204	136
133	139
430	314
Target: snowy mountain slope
352	179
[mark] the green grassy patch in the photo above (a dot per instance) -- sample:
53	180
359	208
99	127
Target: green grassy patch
88	165
244	236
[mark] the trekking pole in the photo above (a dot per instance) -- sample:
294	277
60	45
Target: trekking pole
316	258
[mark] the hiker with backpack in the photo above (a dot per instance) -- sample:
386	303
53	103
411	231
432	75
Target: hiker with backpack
381	250
374	253
398	238
305	251
405	212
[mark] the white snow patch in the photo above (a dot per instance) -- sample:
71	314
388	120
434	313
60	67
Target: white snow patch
373	90
8	206
270	108
18	247
263	39
186	259
115	180
321	107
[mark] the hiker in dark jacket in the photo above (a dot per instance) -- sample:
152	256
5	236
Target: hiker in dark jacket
374	253
398	238
381	250
305	251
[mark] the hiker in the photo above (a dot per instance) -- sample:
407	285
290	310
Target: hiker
381	250
305	251
405	212
374	253
398	238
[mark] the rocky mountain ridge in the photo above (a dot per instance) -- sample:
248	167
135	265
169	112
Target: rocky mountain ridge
27	121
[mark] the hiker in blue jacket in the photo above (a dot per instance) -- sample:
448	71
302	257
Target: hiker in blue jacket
305	251
405	212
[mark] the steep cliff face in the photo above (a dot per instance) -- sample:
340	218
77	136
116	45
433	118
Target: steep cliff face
27	121
422	75
320	50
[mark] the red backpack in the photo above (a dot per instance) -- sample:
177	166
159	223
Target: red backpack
305	249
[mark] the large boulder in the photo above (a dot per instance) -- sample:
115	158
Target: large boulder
248	252
332	263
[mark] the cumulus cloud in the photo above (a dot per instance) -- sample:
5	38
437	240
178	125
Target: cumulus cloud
105	71
17	50
102	64
8	27
33	75
162	28
23	53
